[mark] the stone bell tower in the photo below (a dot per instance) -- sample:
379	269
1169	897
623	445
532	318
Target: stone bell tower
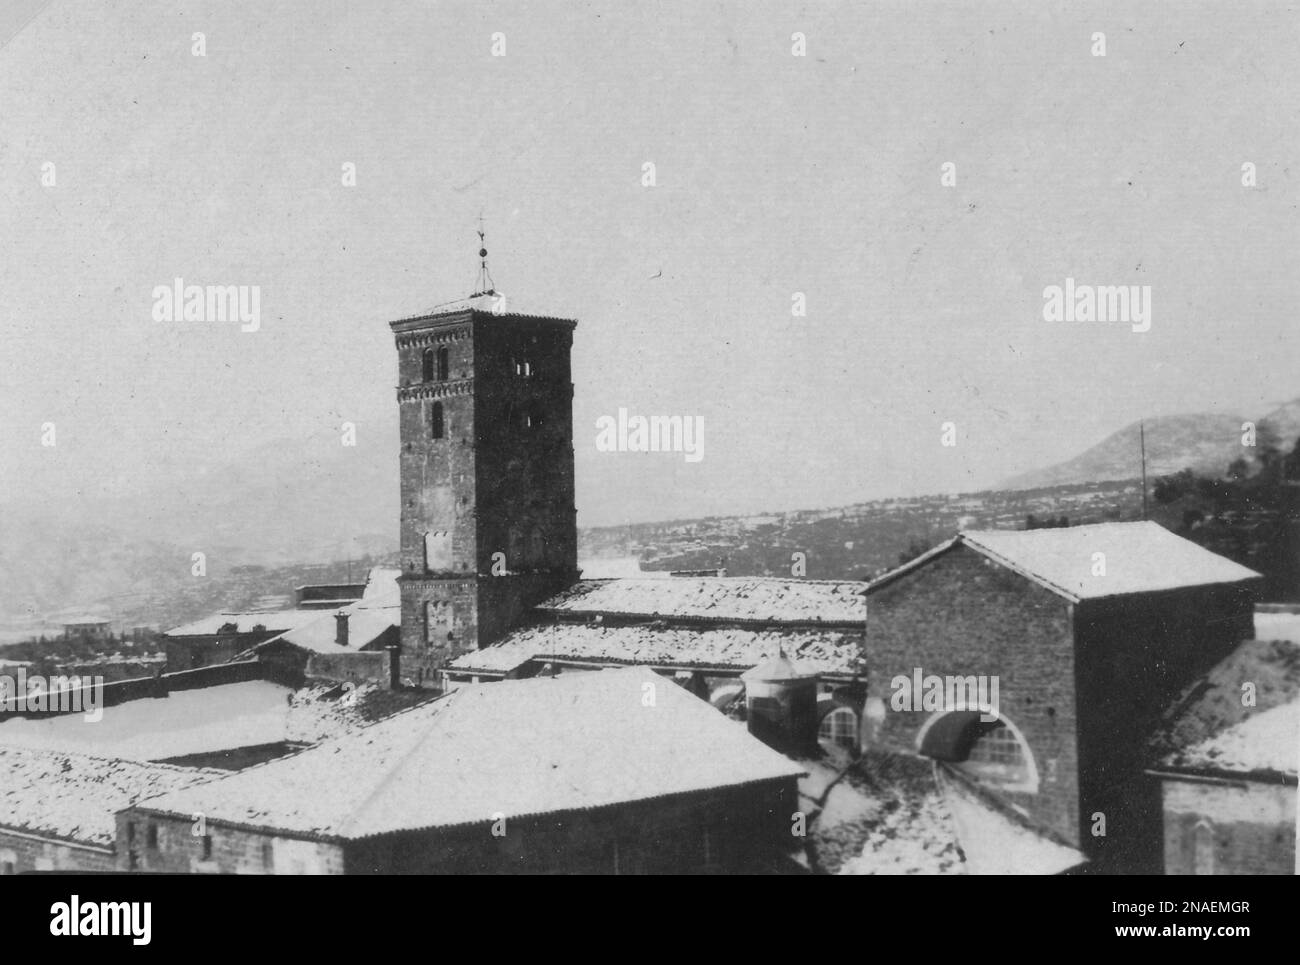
488	522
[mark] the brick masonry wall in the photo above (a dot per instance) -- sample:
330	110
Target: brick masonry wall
960	614
734	830
30	853
234	850
1136	655
745	827
504	601
1229	829
364	665
525	482
420	657
437	485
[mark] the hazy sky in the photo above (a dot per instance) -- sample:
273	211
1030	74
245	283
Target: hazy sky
775	174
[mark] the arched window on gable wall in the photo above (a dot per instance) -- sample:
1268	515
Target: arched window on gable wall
444	365
840	726
427	365
993	752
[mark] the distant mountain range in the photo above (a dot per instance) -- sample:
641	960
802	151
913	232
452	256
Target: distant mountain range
287	509
1205	443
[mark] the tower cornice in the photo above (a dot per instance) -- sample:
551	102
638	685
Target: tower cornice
434	390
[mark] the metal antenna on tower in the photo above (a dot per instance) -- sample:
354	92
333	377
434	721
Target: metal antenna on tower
485	284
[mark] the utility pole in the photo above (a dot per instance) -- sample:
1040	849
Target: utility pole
1142	436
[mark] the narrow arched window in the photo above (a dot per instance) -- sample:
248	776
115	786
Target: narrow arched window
428	363
444	366
1203	840
435	421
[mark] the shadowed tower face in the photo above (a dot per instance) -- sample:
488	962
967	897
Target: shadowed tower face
488	523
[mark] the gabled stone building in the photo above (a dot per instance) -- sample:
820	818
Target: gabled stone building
1091	632
613	772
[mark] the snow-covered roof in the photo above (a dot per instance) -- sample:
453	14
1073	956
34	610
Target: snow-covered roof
721	598
313	627
381	583
185	722
276	621
1202	730
515	748
367	621
996	839
74	797
208	720
1264	745
829	652
1137	557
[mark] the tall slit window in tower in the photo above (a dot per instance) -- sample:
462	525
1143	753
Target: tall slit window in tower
427	365
436	426
444	367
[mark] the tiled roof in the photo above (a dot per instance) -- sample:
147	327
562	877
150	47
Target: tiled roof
885	817
74	797
1207	727
515	748
721	598
1140	557
835	652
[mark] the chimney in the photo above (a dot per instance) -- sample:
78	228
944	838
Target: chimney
394	666
341	629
